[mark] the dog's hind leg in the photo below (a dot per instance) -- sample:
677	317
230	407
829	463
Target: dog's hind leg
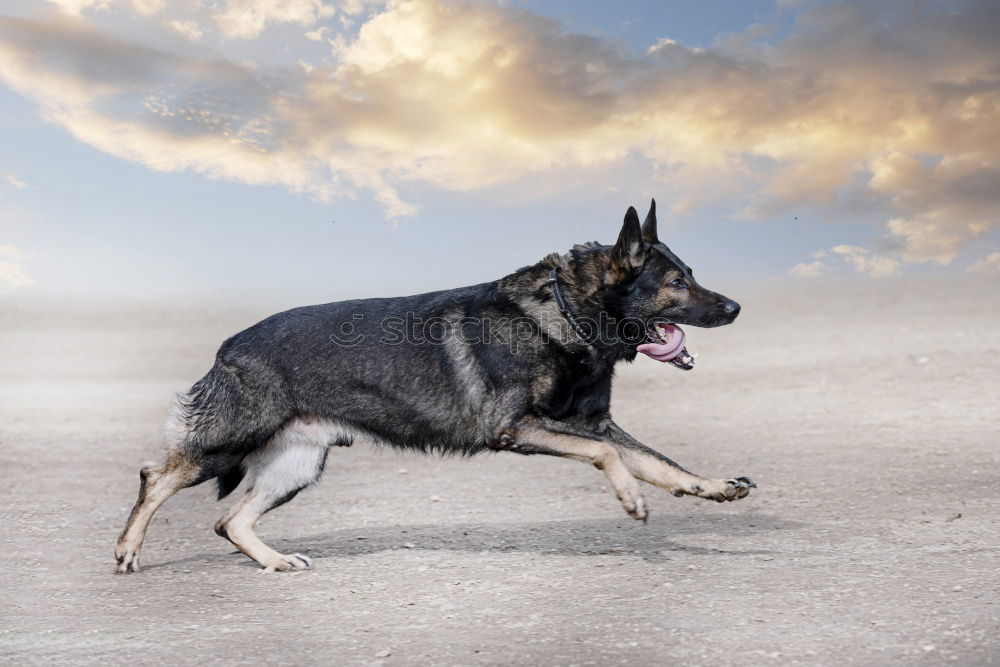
290	461
653	467
155	487
541	435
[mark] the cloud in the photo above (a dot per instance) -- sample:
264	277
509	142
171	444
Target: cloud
236	19
246	19
865	261
947	201
78	7
189	29
11	273
862	260
880	111
164	111
11	180
813	269
8	251
989	265
319	34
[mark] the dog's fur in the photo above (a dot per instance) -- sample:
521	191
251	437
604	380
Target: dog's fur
497	369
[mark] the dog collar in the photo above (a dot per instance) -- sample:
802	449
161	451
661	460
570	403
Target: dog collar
564	308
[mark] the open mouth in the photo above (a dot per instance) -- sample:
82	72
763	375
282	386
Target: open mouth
666	343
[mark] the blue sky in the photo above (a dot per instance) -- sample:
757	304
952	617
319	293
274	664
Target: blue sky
311	150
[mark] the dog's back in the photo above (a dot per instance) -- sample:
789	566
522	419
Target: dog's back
407	371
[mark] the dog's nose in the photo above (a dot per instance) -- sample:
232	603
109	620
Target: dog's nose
732	308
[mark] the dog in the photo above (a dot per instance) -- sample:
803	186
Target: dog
522	364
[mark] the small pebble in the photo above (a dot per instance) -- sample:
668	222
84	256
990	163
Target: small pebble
384	653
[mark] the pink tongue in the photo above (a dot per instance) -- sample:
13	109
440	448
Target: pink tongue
665	351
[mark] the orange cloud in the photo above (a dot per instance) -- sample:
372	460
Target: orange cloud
869	109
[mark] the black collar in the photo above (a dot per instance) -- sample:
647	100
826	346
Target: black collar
564	308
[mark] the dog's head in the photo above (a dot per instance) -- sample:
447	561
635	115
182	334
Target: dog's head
653	285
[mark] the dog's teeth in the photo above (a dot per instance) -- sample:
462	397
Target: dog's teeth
695	355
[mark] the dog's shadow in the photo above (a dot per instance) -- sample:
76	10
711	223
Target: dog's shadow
581	537
654	542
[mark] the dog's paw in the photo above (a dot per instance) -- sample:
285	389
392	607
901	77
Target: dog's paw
721	490
637	510
127	563
743	486
635	505
287	562
127	557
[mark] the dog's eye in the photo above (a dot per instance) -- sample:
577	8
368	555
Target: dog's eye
678	284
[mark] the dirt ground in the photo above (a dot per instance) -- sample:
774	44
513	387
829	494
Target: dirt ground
867	413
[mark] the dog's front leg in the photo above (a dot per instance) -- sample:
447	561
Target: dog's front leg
653	467
541	435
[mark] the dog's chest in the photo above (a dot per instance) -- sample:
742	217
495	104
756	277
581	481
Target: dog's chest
581	387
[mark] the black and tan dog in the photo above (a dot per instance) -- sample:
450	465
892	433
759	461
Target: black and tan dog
521	364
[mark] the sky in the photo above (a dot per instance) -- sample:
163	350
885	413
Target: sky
313	150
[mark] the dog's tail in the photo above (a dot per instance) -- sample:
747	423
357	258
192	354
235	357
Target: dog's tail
219	421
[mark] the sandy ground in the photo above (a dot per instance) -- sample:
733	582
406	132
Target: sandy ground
867	413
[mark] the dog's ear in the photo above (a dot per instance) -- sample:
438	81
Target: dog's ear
629	252
649	226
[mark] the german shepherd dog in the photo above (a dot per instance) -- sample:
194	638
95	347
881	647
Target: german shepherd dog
522	364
